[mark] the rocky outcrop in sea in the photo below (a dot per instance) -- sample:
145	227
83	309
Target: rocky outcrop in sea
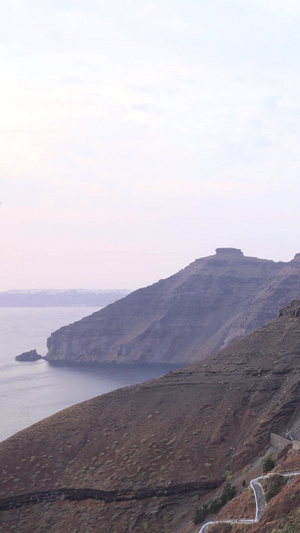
32	355
186	317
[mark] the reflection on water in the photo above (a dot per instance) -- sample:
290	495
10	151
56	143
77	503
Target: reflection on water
32	391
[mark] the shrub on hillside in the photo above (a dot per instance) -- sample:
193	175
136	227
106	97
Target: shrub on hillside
268	465
213	506
289	524
275	487
272	491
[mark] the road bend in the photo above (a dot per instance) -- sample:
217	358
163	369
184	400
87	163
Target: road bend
260	502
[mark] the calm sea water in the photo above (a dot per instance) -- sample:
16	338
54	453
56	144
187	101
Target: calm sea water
31	391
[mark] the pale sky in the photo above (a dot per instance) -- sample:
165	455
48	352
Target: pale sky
139	135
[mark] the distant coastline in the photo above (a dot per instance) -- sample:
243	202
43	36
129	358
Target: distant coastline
61	297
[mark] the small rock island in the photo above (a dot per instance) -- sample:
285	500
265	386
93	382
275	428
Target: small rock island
32	355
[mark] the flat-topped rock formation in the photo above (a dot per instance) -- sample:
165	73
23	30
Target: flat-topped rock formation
186	317
197	425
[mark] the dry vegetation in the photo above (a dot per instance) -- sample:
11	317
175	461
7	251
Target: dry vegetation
208	421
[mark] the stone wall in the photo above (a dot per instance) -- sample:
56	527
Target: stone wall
108	496
278	442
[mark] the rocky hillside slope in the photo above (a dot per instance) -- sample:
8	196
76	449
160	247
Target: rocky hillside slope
281	514
199	425
186	317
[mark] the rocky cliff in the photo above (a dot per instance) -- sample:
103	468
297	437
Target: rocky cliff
185	317
32	355
188	430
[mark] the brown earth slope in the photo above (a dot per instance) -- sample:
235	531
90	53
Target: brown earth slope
282	513
186	317
194	425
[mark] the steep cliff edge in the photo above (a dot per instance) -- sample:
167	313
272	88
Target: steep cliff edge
185	317
202	423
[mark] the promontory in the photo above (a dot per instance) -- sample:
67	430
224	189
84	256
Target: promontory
186	317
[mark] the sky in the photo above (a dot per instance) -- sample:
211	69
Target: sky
139	135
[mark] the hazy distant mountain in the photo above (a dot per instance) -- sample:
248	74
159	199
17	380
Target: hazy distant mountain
60	297
185	317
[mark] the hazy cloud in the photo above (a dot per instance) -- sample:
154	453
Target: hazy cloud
147	134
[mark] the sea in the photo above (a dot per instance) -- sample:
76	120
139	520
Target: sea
32	391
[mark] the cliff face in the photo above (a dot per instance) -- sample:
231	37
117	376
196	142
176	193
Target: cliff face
190	426
186	317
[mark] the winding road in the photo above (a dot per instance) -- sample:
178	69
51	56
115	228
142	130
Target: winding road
260	503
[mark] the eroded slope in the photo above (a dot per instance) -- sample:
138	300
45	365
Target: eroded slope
190	425
180	319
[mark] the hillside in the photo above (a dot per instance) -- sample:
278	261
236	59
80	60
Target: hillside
164	446
185	317
281	514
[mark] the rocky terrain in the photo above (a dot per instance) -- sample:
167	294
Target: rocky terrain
186	317
281	514
32	355
175	440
